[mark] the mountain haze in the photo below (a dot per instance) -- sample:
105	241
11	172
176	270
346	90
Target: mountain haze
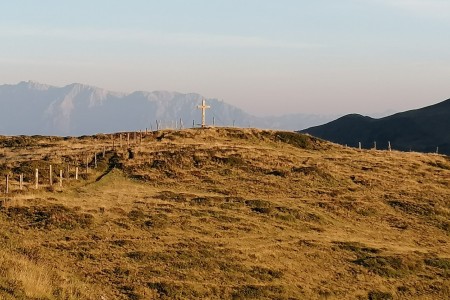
30	108
420	130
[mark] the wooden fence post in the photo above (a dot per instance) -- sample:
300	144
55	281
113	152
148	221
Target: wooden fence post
375	145
7	184
104	151
36	175
95	160
87	165
51	177
76	173
389	146
60	178
21	182
128	139
359	145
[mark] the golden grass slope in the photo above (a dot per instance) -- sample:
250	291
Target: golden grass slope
223	213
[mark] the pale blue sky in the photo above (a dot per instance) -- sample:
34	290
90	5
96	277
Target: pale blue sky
267	57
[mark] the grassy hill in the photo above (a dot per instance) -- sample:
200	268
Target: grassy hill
422	130
222	213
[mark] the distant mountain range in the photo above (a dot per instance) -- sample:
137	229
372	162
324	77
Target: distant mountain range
30	108
422	130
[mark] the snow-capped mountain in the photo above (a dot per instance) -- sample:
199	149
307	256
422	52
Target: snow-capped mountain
32	108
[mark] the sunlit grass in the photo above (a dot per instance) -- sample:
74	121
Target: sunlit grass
225	213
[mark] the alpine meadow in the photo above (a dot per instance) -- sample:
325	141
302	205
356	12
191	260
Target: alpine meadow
221	213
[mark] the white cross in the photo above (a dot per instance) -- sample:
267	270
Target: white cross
203	107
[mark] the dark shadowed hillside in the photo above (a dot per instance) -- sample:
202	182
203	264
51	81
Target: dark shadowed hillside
420	130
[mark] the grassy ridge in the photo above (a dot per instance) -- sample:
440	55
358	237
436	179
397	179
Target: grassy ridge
224	213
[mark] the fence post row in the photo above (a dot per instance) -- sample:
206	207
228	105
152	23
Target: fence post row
50	172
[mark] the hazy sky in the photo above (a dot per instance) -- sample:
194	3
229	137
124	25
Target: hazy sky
267	57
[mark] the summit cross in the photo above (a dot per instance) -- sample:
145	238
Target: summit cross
203	107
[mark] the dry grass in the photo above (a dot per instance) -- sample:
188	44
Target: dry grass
225	214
